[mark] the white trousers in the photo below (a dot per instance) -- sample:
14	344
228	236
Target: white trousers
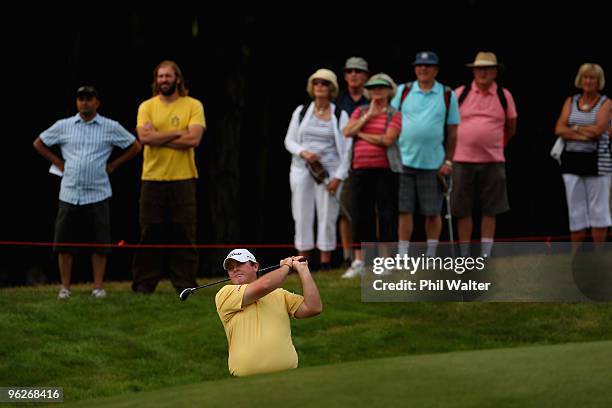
307	197
588	201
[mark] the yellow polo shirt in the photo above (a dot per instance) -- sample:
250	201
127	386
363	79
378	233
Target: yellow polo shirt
165	163
258	335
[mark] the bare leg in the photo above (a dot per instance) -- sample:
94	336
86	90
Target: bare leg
98	264
577	238
487	228
64	261
325	257
433	226
405	226
464	228
599	234
599	237
305	254
359	254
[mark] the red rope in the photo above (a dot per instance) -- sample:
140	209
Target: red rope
123	244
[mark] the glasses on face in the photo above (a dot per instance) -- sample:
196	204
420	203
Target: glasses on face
353	71
321	82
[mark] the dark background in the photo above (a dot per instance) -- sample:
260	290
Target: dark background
250	72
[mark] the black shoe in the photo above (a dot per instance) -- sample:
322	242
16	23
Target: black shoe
324	266
346	263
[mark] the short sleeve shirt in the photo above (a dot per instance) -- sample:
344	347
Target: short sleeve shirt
480	136
423	120
163	163
259	334
86	148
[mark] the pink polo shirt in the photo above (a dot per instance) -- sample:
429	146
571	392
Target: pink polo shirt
480	136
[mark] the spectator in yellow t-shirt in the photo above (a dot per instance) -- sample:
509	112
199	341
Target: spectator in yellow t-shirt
255	313
170	126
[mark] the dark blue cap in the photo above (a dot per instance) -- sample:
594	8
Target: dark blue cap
87	90
426	58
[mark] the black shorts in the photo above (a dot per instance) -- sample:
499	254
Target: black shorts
83	224
485	182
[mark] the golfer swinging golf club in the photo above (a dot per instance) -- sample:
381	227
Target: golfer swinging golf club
255	313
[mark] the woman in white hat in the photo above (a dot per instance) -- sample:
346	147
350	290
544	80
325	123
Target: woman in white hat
586	162
314	138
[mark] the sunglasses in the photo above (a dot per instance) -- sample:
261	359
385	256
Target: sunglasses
320	82
353	71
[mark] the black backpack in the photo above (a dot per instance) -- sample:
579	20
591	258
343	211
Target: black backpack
408	87
502	100
337	112
500	95
447	96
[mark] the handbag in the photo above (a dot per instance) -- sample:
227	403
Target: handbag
317	171
580	161
557	149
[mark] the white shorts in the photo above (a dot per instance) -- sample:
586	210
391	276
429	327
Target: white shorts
588	201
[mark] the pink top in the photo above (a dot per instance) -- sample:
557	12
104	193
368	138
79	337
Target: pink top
367	155
480	136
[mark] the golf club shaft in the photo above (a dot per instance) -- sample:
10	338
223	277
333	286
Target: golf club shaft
263	270
342	208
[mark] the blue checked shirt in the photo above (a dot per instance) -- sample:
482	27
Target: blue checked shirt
86	147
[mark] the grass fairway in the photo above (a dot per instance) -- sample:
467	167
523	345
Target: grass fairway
569	375
129	343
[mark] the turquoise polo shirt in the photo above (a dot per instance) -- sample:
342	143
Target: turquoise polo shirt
423	118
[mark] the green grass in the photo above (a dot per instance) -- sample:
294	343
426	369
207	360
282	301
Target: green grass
570	375
129	343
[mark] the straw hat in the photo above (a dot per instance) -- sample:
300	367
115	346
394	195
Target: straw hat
326	75
484	59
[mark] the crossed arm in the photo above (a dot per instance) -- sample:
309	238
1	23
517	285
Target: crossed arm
385	140
584	133
177	139
353	129
311	306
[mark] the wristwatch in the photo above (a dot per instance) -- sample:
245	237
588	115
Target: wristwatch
448	163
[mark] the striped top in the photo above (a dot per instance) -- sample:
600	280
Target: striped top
365	154
86	147
318	137
587	118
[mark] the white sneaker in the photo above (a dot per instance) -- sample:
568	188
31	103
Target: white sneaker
357	269
63	293
98	293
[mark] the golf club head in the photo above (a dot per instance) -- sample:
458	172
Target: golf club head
185	294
